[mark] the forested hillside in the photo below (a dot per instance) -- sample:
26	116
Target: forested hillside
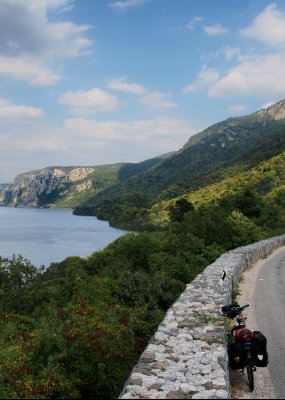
223	150
68	186
264	186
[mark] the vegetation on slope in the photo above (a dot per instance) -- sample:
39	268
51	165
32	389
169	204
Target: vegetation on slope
43	189
265	183
104	177
219	152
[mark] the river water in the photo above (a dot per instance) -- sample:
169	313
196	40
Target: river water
48	235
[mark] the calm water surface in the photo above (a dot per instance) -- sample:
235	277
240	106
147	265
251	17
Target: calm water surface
46	235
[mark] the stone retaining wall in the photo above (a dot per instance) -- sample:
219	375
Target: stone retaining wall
187	356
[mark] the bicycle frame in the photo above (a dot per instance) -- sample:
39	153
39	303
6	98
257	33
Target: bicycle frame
249	365
246	345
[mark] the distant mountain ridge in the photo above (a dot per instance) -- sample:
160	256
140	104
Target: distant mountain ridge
224	149
123	193
275	111
31	188
67	186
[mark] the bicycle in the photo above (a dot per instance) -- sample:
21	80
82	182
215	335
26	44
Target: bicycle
240	342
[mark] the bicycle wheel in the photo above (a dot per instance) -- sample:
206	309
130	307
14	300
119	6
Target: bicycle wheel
249	370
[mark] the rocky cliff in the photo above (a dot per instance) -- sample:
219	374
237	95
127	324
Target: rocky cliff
276	111
45	186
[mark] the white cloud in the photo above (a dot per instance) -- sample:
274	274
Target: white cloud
214	30
102	142
83	141
29	143
26	30
9	110
29	138
28	69
155	99
191	24
159	129
238	108
27	37
89	102
59	5
268	27
232	53
120	84
6	164
264	75
37	143
149	98
205	78
257	74
66	40
125	4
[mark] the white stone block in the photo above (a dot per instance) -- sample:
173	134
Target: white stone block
188	389
205	394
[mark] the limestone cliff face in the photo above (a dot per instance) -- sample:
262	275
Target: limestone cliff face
43	187
276	111
3	188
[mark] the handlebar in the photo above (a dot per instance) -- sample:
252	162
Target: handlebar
232	310
244	307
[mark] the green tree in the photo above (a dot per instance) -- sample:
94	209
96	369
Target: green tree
17	277
249	203
179	209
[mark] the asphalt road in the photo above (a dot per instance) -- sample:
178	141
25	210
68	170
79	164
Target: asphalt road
269	306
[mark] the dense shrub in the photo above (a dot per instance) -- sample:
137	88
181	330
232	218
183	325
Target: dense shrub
76	329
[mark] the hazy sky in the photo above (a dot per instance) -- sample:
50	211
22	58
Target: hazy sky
89	82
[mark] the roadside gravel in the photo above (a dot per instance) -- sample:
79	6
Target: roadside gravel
239	384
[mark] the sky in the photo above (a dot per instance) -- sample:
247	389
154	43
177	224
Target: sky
92	82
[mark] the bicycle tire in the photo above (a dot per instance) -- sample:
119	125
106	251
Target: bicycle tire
249	370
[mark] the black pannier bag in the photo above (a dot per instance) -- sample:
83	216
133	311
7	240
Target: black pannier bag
259	349
236	356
